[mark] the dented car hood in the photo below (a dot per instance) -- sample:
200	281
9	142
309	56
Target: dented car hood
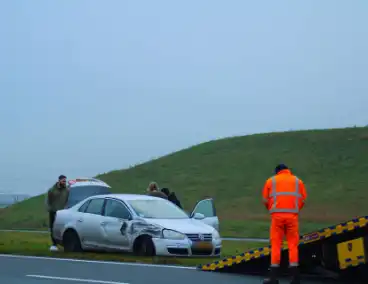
186	226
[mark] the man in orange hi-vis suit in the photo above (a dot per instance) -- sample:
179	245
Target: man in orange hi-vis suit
284	195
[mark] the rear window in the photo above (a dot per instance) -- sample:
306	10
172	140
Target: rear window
79	193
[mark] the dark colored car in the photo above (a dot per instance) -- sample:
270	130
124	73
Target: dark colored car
81	189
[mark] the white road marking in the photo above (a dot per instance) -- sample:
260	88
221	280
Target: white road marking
74	279
96	261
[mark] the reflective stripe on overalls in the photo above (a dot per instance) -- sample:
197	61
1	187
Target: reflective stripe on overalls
274	194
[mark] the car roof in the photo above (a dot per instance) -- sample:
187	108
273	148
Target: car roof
79	182
130	196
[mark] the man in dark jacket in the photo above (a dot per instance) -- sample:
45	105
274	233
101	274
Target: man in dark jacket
171	196
56	199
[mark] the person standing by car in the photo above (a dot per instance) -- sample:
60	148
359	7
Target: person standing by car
56	199
171	196
153	191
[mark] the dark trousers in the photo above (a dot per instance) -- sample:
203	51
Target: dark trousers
52	216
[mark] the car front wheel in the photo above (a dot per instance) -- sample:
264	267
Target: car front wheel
144	246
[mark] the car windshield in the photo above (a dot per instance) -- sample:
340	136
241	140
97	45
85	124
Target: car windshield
80	193
157	209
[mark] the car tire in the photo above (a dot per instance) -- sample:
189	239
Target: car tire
71	242
145	247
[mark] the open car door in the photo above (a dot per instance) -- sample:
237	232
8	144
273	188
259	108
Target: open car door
205	211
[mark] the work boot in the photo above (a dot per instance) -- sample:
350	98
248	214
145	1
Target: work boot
295	275
272	279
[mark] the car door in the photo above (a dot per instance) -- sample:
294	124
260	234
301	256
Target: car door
116	224
207	208
89	222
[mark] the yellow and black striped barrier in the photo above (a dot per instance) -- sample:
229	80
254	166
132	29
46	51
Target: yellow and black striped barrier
347	257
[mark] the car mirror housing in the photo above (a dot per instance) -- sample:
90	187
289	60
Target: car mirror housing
198	216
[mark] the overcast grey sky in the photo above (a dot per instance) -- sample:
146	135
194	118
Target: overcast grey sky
90	86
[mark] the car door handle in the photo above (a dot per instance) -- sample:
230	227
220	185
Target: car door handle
80	220
103	223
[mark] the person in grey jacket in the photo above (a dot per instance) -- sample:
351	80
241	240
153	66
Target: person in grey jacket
56	199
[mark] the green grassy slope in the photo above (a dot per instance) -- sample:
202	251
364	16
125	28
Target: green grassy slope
332	163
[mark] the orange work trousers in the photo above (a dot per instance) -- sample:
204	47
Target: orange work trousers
284	224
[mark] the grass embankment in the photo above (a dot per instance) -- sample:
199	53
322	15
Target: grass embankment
38	245
332	163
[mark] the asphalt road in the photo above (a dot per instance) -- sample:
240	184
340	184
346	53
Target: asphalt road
37	270
225	239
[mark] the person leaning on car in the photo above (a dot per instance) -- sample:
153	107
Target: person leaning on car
56	199
153	191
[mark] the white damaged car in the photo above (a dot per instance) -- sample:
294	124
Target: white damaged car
141	224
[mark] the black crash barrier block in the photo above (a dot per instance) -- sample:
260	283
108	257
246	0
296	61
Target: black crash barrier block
336	252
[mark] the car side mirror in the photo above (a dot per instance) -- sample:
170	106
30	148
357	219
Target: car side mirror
198	216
